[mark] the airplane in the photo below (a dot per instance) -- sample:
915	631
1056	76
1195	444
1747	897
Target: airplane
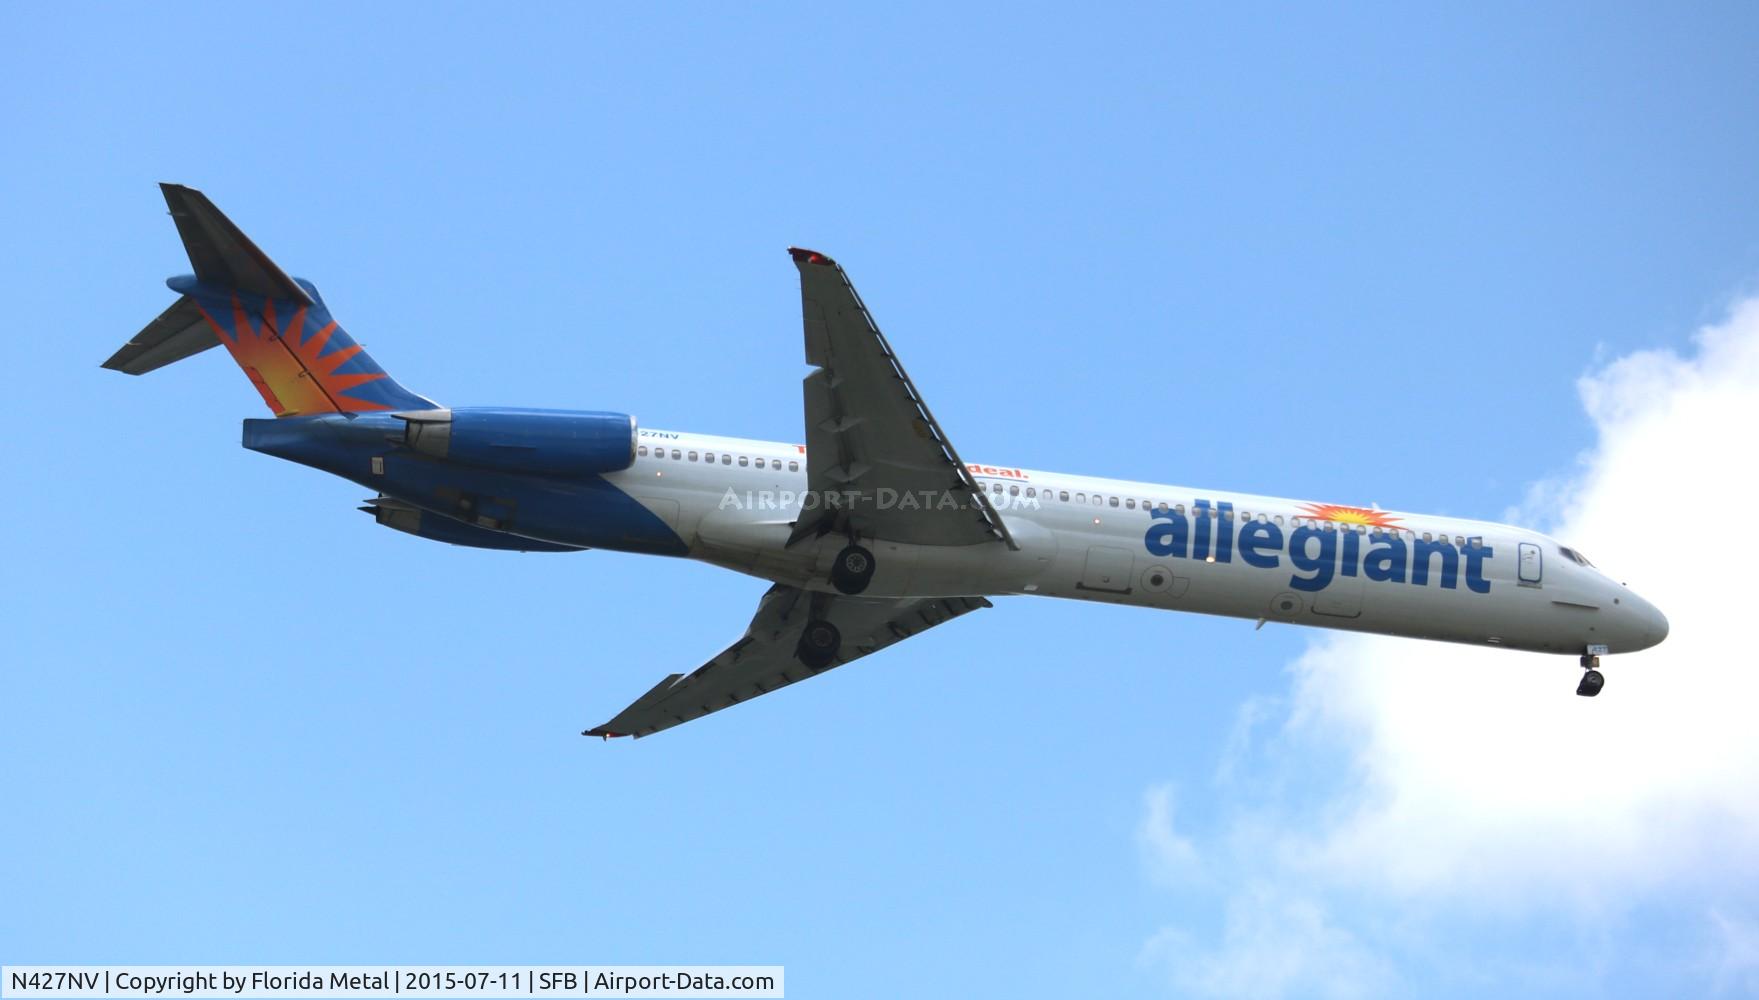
872	530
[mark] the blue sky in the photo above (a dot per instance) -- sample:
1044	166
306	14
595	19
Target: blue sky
1360	255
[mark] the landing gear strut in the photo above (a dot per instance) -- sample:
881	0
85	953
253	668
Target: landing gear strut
1592	681
852	570
819	644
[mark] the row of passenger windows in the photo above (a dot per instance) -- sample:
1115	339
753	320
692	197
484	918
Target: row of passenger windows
710	458
1130	503
1079	497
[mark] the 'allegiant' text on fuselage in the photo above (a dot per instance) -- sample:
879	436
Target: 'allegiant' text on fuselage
1318	552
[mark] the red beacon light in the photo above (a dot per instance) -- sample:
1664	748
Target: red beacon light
810	257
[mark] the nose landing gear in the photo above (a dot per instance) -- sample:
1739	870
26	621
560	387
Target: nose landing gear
1592	681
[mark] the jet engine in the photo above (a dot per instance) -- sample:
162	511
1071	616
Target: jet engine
544	442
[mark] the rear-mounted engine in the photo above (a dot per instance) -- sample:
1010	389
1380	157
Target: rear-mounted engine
544	442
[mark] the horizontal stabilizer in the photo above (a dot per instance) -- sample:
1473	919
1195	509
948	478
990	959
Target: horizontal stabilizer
222	255
178	333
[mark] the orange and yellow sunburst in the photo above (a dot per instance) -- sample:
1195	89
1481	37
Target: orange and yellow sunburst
295	361
1349	515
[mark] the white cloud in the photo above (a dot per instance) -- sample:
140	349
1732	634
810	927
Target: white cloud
1479	774
1169	858
1273	944
1737	955
1477	779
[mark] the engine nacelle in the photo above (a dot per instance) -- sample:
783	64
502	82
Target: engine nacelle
544	442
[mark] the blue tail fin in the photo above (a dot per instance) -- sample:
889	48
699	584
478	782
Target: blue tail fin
277	328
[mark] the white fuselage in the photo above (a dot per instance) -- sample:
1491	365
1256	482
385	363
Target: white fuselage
734	501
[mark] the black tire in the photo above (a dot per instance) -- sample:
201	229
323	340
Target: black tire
819	644
1592	682
852	570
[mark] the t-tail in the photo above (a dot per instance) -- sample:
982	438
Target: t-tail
277	328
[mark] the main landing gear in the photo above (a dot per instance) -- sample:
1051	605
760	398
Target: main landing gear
1592	681
852	570
819	643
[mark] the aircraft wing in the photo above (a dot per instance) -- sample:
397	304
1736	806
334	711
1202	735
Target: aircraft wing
764	659
870	437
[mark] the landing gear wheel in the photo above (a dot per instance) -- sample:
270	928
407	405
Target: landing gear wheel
852	570
1592	682
819	643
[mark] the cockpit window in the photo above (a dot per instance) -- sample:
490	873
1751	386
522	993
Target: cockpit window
1576	557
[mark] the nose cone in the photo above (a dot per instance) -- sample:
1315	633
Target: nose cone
1648	626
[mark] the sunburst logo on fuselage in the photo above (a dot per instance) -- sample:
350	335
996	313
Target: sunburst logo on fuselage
1349	515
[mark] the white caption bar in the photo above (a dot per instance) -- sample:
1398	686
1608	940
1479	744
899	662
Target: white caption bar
351	981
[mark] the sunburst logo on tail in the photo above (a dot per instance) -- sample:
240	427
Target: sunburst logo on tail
1349	515
295	355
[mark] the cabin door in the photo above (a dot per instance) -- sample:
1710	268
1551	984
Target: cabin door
1532	565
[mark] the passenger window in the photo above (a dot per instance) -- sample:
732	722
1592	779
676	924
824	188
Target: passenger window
676	454
1279	520
693	456
1063	495
744	460
1130	504
1080	497
793	466
1113	501
726	459
1013	491
709	457
1179	510
642	451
